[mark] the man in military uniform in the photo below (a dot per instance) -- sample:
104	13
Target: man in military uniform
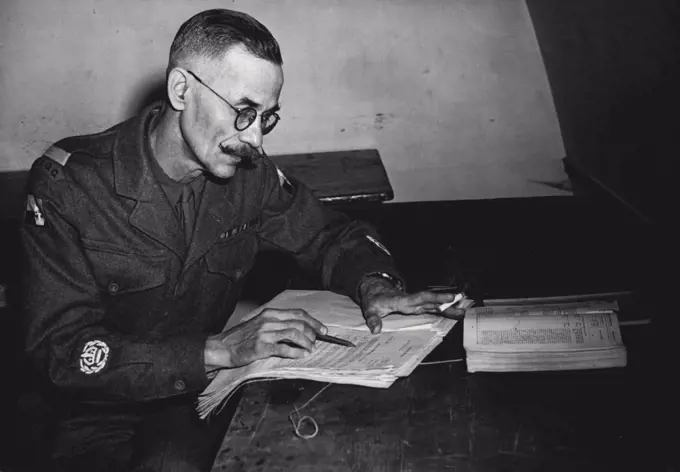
137	240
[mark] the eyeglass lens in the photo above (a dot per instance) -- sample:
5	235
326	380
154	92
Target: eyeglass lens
247	117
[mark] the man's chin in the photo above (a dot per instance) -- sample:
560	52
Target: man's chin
223	171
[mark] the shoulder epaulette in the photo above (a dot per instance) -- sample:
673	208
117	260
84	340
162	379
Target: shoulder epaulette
57	154
53	161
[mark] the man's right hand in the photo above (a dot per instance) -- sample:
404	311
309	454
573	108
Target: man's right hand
287	333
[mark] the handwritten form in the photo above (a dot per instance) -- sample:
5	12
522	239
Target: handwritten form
376	361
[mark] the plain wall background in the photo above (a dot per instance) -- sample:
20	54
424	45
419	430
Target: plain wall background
452	93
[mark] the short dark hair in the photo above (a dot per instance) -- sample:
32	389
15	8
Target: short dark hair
212	32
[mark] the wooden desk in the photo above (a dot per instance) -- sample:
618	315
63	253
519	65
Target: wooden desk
442	418
340	177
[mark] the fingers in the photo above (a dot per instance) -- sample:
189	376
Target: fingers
282	333
288	351
415	309
294	336
420	298
288	333
270	329
290	314
431	302
426	303
427	308
373	322
452	313
416	303
293	325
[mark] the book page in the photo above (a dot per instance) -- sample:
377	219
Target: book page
541	333
561	299
575	308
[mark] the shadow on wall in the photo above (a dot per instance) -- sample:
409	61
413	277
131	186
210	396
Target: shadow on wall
151	91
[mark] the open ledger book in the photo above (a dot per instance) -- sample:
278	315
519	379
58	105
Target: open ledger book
565	333
376	361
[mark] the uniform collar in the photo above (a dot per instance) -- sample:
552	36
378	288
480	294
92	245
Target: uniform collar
135	179
132	151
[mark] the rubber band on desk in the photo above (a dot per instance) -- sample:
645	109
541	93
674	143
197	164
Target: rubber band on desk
297	425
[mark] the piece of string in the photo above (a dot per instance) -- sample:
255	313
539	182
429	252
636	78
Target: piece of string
448	361
297	424
635	322
298	421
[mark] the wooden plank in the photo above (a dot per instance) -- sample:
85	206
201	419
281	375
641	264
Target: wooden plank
340	176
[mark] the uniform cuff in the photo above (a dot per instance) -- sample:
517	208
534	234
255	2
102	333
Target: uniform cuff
179	367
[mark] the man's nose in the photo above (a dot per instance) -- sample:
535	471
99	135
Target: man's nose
252	135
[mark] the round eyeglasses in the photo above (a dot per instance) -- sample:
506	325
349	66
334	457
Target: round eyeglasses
245	116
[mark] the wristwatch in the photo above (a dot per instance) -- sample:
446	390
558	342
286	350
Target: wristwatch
390	278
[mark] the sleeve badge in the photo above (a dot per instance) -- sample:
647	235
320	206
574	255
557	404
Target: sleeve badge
94	356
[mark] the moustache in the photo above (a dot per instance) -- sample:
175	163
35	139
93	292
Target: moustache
247	154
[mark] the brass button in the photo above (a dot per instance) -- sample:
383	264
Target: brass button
180	385
113	287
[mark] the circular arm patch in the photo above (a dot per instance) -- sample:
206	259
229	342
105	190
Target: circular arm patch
94	357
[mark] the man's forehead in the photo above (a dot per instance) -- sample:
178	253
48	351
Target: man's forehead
240	74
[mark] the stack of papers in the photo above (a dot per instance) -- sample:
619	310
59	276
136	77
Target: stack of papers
540	337
339	311
378	360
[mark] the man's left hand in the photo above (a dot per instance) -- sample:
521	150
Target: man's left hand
380	298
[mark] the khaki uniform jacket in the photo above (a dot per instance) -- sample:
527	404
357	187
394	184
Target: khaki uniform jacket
118	308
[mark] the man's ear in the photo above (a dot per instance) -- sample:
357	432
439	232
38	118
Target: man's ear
177	88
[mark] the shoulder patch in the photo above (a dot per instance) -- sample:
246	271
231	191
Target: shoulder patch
57	154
